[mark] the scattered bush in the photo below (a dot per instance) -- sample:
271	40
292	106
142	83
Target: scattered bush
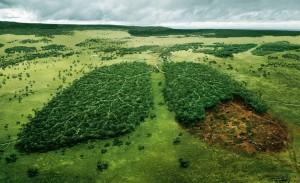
291	56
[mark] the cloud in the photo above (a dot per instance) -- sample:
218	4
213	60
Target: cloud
18	15
151	12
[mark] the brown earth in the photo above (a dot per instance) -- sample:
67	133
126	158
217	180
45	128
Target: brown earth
233	125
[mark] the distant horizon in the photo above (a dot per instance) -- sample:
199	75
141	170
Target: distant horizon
184	14
284	26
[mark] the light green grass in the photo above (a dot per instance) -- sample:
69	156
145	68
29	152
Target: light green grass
158	162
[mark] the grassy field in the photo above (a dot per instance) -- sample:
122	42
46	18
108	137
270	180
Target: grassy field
148	154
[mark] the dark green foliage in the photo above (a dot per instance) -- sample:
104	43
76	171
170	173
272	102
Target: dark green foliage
226	50
141	147
218	49
183	163
135	50
166	53
32	172
280	46
20	49
103	151
101	166
117	142
60	29
1	45
176	141
52	50
107	102
220	33
107	144
54	47
291	56
287	61
191	88
101	45
30	41
49	30
11	158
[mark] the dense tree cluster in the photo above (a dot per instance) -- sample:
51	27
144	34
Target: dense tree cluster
20	49
191	88
107	102
280	46
226	50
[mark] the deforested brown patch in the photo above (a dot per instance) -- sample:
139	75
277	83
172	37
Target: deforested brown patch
233	125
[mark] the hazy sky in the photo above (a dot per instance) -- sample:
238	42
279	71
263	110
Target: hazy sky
176	13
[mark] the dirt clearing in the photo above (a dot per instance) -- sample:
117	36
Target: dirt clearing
233	125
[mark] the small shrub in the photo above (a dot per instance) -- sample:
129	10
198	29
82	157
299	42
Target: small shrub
32	172
12	158
184	163
101	166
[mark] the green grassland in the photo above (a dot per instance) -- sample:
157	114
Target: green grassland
148	154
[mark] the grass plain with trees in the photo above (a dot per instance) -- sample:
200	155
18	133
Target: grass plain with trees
122	104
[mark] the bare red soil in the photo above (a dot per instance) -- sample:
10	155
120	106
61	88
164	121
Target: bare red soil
233	125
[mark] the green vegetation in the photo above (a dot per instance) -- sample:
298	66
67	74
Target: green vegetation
108	46
54	47
269	48
105	103
218	49
135	50
30	41
31	53
191	88
32	172
221	33
20	49
159	149
226	50
166	53
49	30
1	45
291	56
282	63
100	44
